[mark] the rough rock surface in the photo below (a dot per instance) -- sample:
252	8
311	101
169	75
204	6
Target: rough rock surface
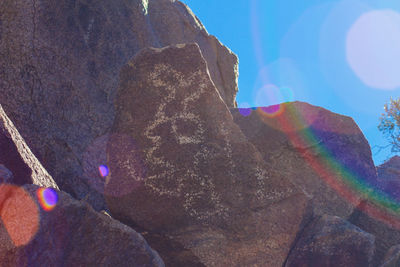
180	167
6	176
330	241
70	234
381	224
316	149
17	163
59	67
389	170
389	177
392	257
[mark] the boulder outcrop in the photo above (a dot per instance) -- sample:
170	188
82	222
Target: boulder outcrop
18	165
331	241
389	170
45	227
321	152
389	177
179	166
59	67
382	220
384	226
392	257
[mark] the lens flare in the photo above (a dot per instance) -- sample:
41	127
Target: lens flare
345	180
106	157
47	197
19	214
103	170
245	109
270	97
370	49
373	48
272	111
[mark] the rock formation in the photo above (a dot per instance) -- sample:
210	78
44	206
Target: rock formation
383	222
321	152
145	136
18	165
389	170
179	166
331	241
51	228
59	67
389	177
6	176
392	257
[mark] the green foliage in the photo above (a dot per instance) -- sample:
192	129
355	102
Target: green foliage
390	123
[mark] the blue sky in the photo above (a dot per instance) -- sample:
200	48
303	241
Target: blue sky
341	55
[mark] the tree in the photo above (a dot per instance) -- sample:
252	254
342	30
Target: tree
390	123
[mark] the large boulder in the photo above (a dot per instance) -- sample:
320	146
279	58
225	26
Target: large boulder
330	241
18	165
59	67
379	215
323	153
389	170
382	222
389	177
45	227
179	166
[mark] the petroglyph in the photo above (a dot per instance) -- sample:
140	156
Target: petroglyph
86	35
160	182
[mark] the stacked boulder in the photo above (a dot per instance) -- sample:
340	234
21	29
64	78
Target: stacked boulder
59	67
153	136
179	166
319	151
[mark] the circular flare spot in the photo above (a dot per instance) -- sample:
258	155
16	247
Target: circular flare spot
19	214
108	160
373	48
271	94
47	197
245	109
272	111
270	98
103	170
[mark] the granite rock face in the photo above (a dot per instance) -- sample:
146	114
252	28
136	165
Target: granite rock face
392	257
389	177
389	170
59	67
331	241
379	222
319	151
69	234
18	165
180	167
383	222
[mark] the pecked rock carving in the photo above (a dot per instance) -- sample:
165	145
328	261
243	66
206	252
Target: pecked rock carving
194	176
59	66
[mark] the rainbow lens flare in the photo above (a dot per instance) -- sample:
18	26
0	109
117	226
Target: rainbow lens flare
245	111
47	197
348	183
272	111
103	170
